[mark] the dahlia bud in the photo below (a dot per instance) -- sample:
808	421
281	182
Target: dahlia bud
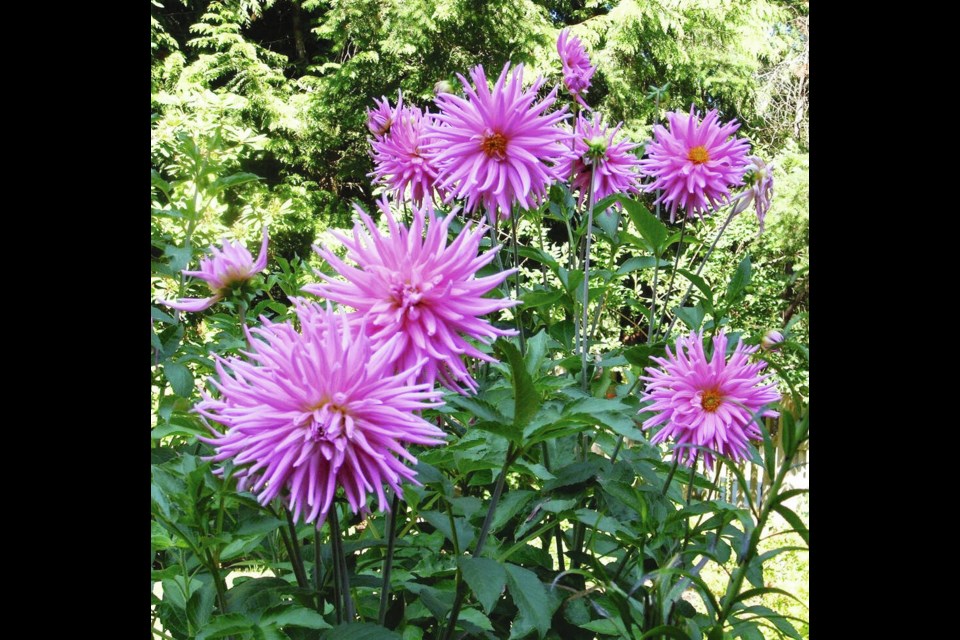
771	341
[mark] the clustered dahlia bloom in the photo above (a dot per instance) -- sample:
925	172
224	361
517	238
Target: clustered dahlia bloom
225	269
418	296
759	180
380	120
500	147
615	167
577	69
708	404
695	163
315	409
399	159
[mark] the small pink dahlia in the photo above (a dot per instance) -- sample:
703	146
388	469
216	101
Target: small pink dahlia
419	297
708	404
498	148
615	167
695	163
759	180
577	69
399	158
380	120
226	268
315	409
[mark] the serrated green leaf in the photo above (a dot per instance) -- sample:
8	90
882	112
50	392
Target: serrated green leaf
700	284
691	316
294	616
640	262
530	596
652	230
486	578
533	299
225	625
739	281
525	396
361	631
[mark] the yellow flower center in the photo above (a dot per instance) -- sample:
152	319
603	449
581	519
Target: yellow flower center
494	145
698	155
710	400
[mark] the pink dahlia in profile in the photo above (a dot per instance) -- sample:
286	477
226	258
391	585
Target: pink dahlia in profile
420	298
708	403
610	164
498	147
312	410
695	162
577	69
380	120
399	158
224	269
759	181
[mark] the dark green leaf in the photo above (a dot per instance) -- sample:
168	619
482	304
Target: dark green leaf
700	284
225	625
180	378
652	230
641	262
665	630
740	279
525	396
691	316
233	180
486	578
540	298
530	596
294	616
794	521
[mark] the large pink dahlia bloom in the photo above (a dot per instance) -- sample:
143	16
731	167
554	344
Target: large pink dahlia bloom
225	268
695	163
420	297
577	69
315	409
399	158
610	164
708	404
498	147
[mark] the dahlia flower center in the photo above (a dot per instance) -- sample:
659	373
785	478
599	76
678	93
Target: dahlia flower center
494	145
710	400
330	420
698	155
407	295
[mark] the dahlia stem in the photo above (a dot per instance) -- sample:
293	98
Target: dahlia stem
516	275
733	588
673	274
340	559
388	561
673	470
700	269
512	455
317	563
559	534
296	559
584	338
286	544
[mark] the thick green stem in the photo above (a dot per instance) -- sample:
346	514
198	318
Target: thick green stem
388	560
584	338
317	563
481	540
340	558
516	276
733	590
296	559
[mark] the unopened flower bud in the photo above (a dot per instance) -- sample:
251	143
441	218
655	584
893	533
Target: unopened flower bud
771	341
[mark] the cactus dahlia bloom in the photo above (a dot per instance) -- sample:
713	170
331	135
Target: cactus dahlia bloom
708	403
695	162
419	296
311	410
499	147
399	158
615	167
226	268
577	69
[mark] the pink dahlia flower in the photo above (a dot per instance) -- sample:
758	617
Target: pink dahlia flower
759	180
315	409
380	120
695	163
615	167
420	298
498	148
577	69
225	269
708	404
399	158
